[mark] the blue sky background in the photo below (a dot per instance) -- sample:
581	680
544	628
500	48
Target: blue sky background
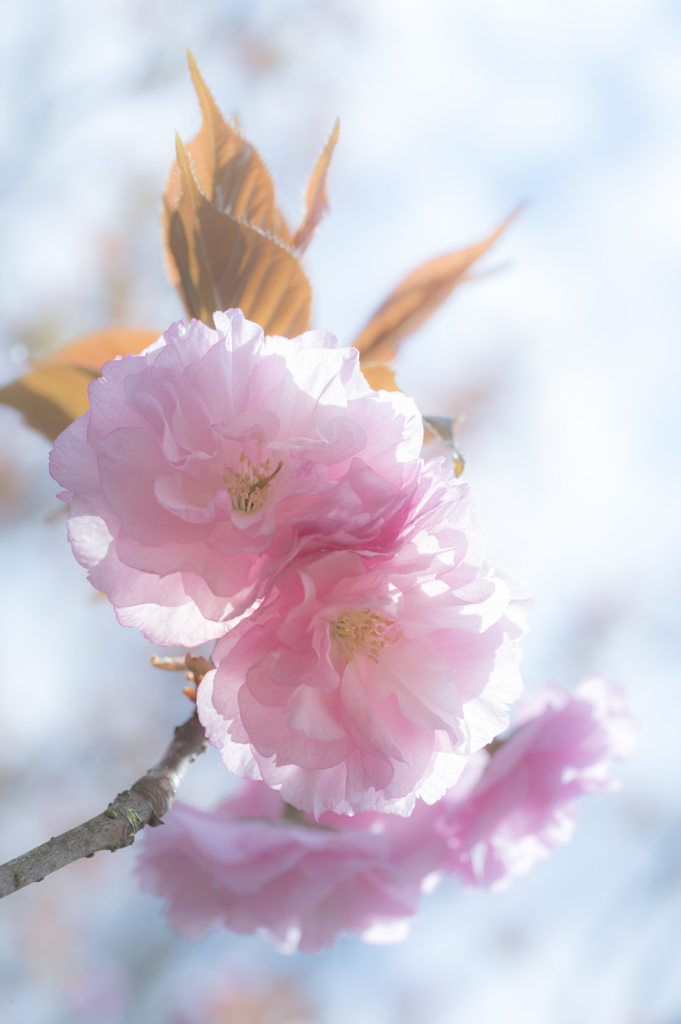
565	364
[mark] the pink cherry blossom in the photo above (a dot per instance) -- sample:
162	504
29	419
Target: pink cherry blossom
215	457
511	809
250	868
256	864
369	681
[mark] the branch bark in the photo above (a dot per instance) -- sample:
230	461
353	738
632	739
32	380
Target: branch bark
144	803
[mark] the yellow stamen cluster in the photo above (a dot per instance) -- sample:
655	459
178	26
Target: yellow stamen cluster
362	631
249	487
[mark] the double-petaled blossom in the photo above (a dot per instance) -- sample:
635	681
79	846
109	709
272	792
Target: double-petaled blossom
217	456
517	806
255	864
249	867
368	682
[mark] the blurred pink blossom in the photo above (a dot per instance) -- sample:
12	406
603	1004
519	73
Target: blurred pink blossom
369	682
256	864
250	868
256	1001
517	806
217	456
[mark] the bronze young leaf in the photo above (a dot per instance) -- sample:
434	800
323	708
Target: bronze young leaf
227	244
54	393
224	263
379	376
228	169
316	199
416	297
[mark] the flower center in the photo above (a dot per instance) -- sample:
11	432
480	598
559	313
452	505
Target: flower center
248	486
361	631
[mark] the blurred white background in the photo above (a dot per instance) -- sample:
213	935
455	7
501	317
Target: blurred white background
565	364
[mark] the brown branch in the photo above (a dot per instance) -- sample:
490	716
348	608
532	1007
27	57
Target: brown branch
144	803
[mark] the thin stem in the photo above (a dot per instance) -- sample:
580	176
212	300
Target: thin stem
144	803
